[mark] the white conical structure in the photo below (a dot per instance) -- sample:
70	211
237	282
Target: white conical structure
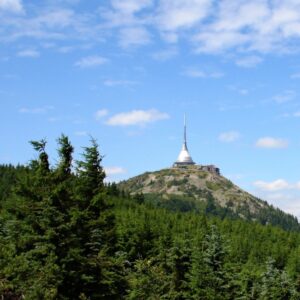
184	157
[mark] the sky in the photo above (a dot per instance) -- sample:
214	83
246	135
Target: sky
125	71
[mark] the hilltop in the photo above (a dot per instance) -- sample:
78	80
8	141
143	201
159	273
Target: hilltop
192	188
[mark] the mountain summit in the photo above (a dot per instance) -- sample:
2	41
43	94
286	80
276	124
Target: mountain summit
202	188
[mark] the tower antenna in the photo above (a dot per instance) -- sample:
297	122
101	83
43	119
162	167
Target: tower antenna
184	124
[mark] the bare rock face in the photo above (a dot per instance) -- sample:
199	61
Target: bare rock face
194	183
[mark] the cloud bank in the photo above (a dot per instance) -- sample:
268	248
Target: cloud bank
246	30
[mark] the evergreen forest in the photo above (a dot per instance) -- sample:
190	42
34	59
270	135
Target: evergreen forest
65	233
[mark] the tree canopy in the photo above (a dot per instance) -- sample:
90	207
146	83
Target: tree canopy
67	234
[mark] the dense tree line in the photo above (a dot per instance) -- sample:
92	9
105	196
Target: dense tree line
9	176
65	234
265	215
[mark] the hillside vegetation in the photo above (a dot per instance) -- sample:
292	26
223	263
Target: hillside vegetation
64	234
189	188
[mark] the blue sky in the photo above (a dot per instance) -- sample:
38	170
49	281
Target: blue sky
125	71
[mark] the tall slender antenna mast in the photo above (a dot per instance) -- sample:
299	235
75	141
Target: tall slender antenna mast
184	134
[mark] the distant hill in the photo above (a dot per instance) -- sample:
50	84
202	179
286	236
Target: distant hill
190	188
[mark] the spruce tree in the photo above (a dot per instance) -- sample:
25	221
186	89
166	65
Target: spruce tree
100	274
32	267
207	274
275	284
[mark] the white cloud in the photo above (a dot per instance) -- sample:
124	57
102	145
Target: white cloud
277	185
270	142
36	110
249	61
230	136
281	193
129	7
28	53
197	73
11	5
101	113
137	117
47	24
112	83
245	28
284	97
215	27
91	61
123	13
134	36
258	26
178	14
110	171
59	18
214	43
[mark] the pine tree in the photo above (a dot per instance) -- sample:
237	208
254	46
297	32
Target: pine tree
32	264
276	284
147	281
207	274
100	274
179	262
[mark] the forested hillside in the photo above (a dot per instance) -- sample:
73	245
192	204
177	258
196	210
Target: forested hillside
190	188
64	234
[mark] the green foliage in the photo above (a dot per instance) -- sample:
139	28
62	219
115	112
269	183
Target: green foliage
214	186
9	175
207	274
58	231
202	175
275	284
174	203
66	234
227	184
200	258
147	281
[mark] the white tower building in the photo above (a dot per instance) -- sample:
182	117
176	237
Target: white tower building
184	157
